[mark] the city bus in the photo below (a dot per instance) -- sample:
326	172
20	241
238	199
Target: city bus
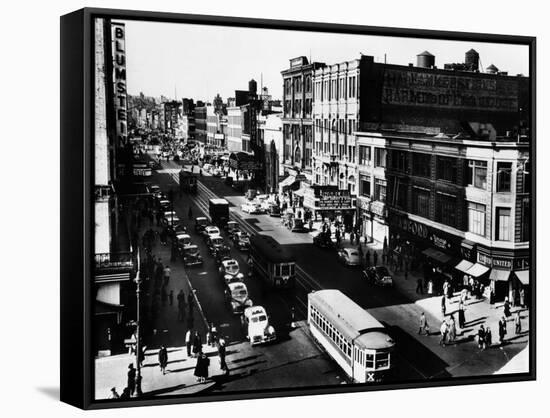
358	343
272	262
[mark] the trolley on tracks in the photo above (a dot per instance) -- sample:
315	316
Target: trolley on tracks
272	262
351	336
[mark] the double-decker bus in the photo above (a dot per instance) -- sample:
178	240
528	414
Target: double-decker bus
272	262
351	336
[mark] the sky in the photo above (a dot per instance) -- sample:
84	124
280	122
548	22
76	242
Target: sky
199	61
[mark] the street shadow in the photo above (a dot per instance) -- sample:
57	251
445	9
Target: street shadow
184	369
245	366
475	322
241	360
52	392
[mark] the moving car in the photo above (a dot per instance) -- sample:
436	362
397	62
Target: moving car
349	257
200	223
223	253
231	227
274	210
323	240
172	221
229	271
183	240
256	325
180	229
241	240
155	190
378	275
191	256
298	225
214	243
236	296
165	204
210	231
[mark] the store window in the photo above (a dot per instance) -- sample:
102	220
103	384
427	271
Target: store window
379	157
422	164
421	202
476	218
380	186
503	226
504	177
446	169
477	174
445	209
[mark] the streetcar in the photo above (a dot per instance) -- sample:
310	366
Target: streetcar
272	262
188	181
351	336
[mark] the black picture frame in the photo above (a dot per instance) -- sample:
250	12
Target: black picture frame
77	188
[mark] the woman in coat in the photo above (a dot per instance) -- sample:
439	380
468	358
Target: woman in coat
201	369
163	359
197	344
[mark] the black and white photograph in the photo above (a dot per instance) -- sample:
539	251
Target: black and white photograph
281	209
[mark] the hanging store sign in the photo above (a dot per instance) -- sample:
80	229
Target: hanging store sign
119	80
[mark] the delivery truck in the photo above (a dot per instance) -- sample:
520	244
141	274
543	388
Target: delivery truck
219	211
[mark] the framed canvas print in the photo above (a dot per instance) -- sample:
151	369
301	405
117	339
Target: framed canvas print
258	208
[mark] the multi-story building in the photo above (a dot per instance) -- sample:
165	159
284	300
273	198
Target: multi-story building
234	129
298	114
270	130
201	124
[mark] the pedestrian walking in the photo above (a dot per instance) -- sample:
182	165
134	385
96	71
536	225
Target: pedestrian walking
443	329
452	329
171	297
166	274
517	322
374	258
221	354
424	327
367	258
488	338
197	343
481	337
213	335
502	330
131	379
125	393
189	341
114	394
443	305
461	316
430	287
507	312
201	369
163	359
522	297
419	287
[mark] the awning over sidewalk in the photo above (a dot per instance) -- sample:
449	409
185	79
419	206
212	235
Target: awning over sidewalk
499	275
477	270
523	276
464	266
436	255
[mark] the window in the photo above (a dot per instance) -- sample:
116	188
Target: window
476	218
401	190
308	84
422	165
477	173
421	202
380	190
446	169
351	87
399	160
379	157
504	177
364	186
369	363
445	209
503	227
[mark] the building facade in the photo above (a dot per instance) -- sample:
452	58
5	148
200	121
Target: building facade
201	124
271	133
234	129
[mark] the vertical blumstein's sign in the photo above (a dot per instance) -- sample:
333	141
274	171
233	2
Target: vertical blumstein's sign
119	80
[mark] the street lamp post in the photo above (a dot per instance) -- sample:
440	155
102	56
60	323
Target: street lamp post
138	326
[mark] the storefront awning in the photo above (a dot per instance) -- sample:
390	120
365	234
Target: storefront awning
287	181
464	266
499	275
300	192
477	270
436	255
523	276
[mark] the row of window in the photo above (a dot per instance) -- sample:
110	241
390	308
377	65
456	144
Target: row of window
298	84
341	126
330	331
342	88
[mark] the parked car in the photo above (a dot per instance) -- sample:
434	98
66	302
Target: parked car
349	257
252	208
183	240
191	256
223	253
241	240
172	221
298	225
180	229
200	223
214	242
231	227
165	204
256	324
323	240
378	275
155	191
210	231
274	210
236	297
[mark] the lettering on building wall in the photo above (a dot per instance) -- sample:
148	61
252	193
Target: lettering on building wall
403	87
119	80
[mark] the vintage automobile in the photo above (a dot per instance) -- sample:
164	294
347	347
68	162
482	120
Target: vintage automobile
155	191
191	256
169	213
241	240
171	222
165	204
323	240
298	225
230	272
378	275
231	227
210	231
183	240
252	208
180	229
236	297
200	223
256	325
214	243
274	210
349	257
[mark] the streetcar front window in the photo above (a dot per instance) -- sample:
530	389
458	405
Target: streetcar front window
369	361
285	270
382	360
